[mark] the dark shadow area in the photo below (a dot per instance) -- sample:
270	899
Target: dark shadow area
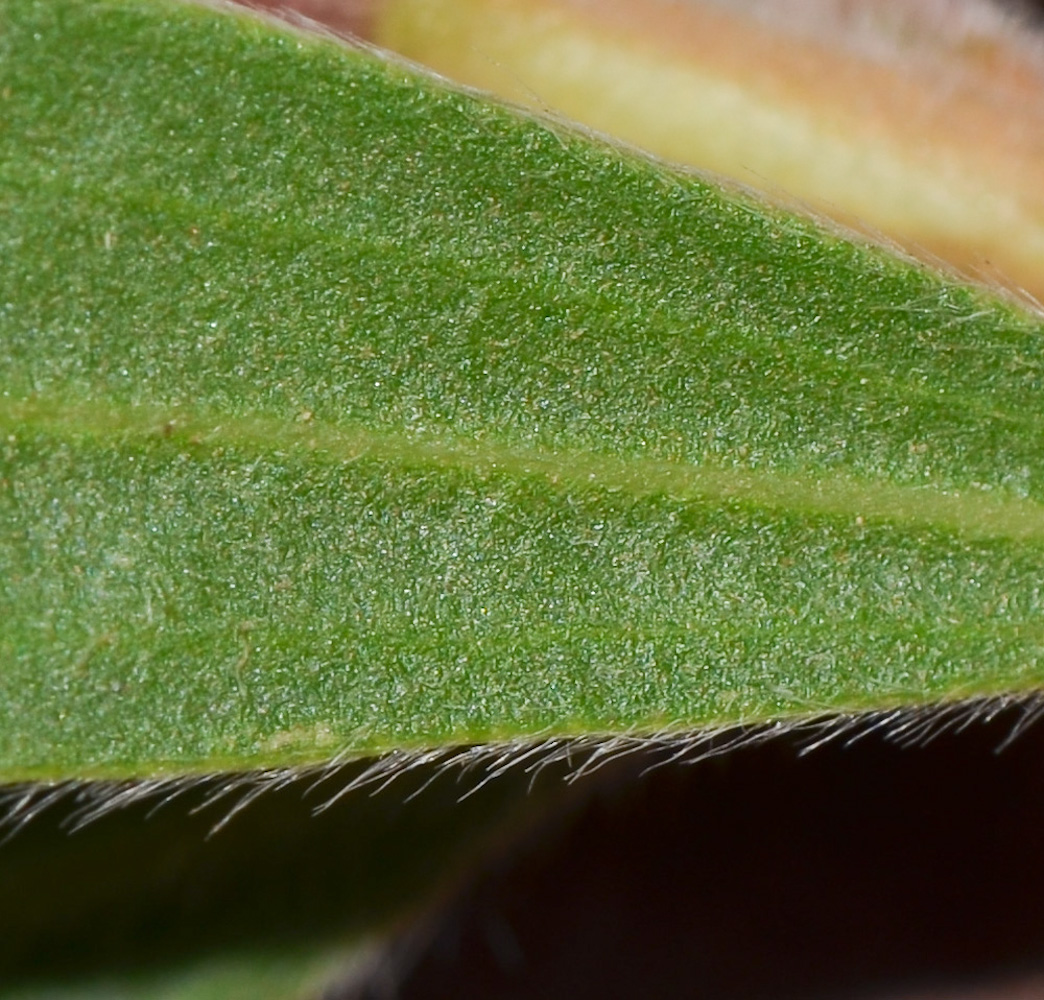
856	870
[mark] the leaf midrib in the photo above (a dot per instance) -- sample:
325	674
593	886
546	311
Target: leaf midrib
970	513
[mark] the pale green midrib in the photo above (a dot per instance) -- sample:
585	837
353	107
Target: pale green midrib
973	514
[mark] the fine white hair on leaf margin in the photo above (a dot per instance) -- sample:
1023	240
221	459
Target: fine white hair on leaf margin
477	766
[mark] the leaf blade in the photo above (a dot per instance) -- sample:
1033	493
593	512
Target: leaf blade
344	413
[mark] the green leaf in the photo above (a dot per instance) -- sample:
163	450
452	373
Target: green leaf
341	411
263	976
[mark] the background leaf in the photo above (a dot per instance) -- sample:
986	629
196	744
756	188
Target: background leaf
142	887
262	977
